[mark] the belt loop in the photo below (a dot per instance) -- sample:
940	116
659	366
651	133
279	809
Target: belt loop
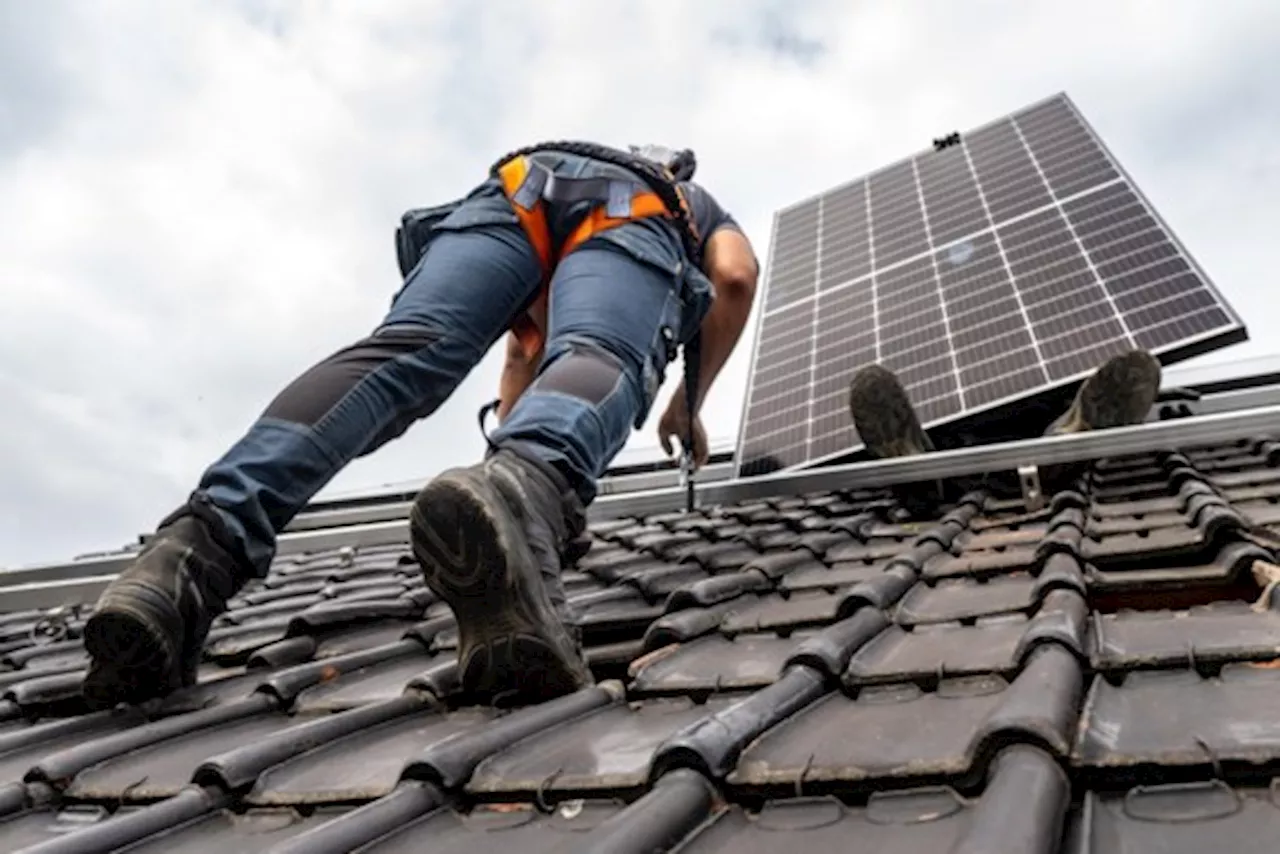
619	203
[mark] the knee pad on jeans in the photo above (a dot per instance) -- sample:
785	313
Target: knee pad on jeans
583	371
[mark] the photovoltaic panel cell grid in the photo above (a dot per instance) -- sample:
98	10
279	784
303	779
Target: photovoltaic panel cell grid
1015	261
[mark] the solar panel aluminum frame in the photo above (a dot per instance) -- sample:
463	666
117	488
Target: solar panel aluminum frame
1181	349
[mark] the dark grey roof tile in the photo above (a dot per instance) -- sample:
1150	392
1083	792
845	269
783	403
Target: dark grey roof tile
314	736
658	581
234	644
713	744
95	828
801	571
451	762
1154	723
923	654
1178	818
723	556
51	656
688	623
980	564
706	592
774	612
249	832
1269	476
714	663
608	749
286	605
1218	567
1202	636
286	684
960	600
376	682
603	562
1019	809
503	828
899	732
829	650
765	608
821	543
22	747
1001	537
155	760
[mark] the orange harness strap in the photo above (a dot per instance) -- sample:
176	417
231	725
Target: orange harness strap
529	332
530	327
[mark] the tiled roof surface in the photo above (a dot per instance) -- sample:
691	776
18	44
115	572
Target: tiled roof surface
802	674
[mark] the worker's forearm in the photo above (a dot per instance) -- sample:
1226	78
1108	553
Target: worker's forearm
721	329
517	373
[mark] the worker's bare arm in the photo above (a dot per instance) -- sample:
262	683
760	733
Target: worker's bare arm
730	264
518	371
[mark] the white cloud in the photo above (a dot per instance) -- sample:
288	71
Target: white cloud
197	200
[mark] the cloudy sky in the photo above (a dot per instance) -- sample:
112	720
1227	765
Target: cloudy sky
197	198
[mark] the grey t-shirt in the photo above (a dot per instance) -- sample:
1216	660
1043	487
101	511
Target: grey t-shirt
708	215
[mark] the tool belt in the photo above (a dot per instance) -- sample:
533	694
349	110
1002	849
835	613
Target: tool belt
618	200
529	185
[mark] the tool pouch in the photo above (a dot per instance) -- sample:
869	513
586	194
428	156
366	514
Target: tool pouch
416	230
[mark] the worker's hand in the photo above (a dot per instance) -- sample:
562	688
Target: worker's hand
674	423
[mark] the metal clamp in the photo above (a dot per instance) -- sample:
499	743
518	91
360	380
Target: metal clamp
1032	494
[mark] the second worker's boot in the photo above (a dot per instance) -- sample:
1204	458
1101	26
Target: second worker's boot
883	415
490	538
1119	393
146	636
888	425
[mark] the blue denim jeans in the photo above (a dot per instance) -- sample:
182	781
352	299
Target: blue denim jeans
628	292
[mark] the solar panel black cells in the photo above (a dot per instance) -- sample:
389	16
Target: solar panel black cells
846	242
794	259
776	428
1012	262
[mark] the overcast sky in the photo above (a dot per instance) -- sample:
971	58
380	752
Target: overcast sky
197	199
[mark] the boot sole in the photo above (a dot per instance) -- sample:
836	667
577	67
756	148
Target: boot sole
1121	392
131	651
883	416
510	640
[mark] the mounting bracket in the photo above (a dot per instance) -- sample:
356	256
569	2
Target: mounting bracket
1032	494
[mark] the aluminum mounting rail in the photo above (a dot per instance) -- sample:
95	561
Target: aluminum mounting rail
48	584
1003	456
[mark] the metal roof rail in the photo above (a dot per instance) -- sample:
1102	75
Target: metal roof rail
1005	456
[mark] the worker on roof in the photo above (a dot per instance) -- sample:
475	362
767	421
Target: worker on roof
598	265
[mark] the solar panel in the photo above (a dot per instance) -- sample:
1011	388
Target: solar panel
998	264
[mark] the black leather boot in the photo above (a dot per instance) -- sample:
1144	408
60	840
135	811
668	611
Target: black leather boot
490	539
889	427
148	629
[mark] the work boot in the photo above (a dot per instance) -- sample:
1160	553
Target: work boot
1119	393
888	425
490	538
148	629
883	415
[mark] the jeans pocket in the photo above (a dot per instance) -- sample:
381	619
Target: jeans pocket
417	228
651	241
487	204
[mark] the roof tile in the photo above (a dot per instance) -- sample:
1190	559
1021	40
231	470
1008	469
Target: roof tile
851	676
